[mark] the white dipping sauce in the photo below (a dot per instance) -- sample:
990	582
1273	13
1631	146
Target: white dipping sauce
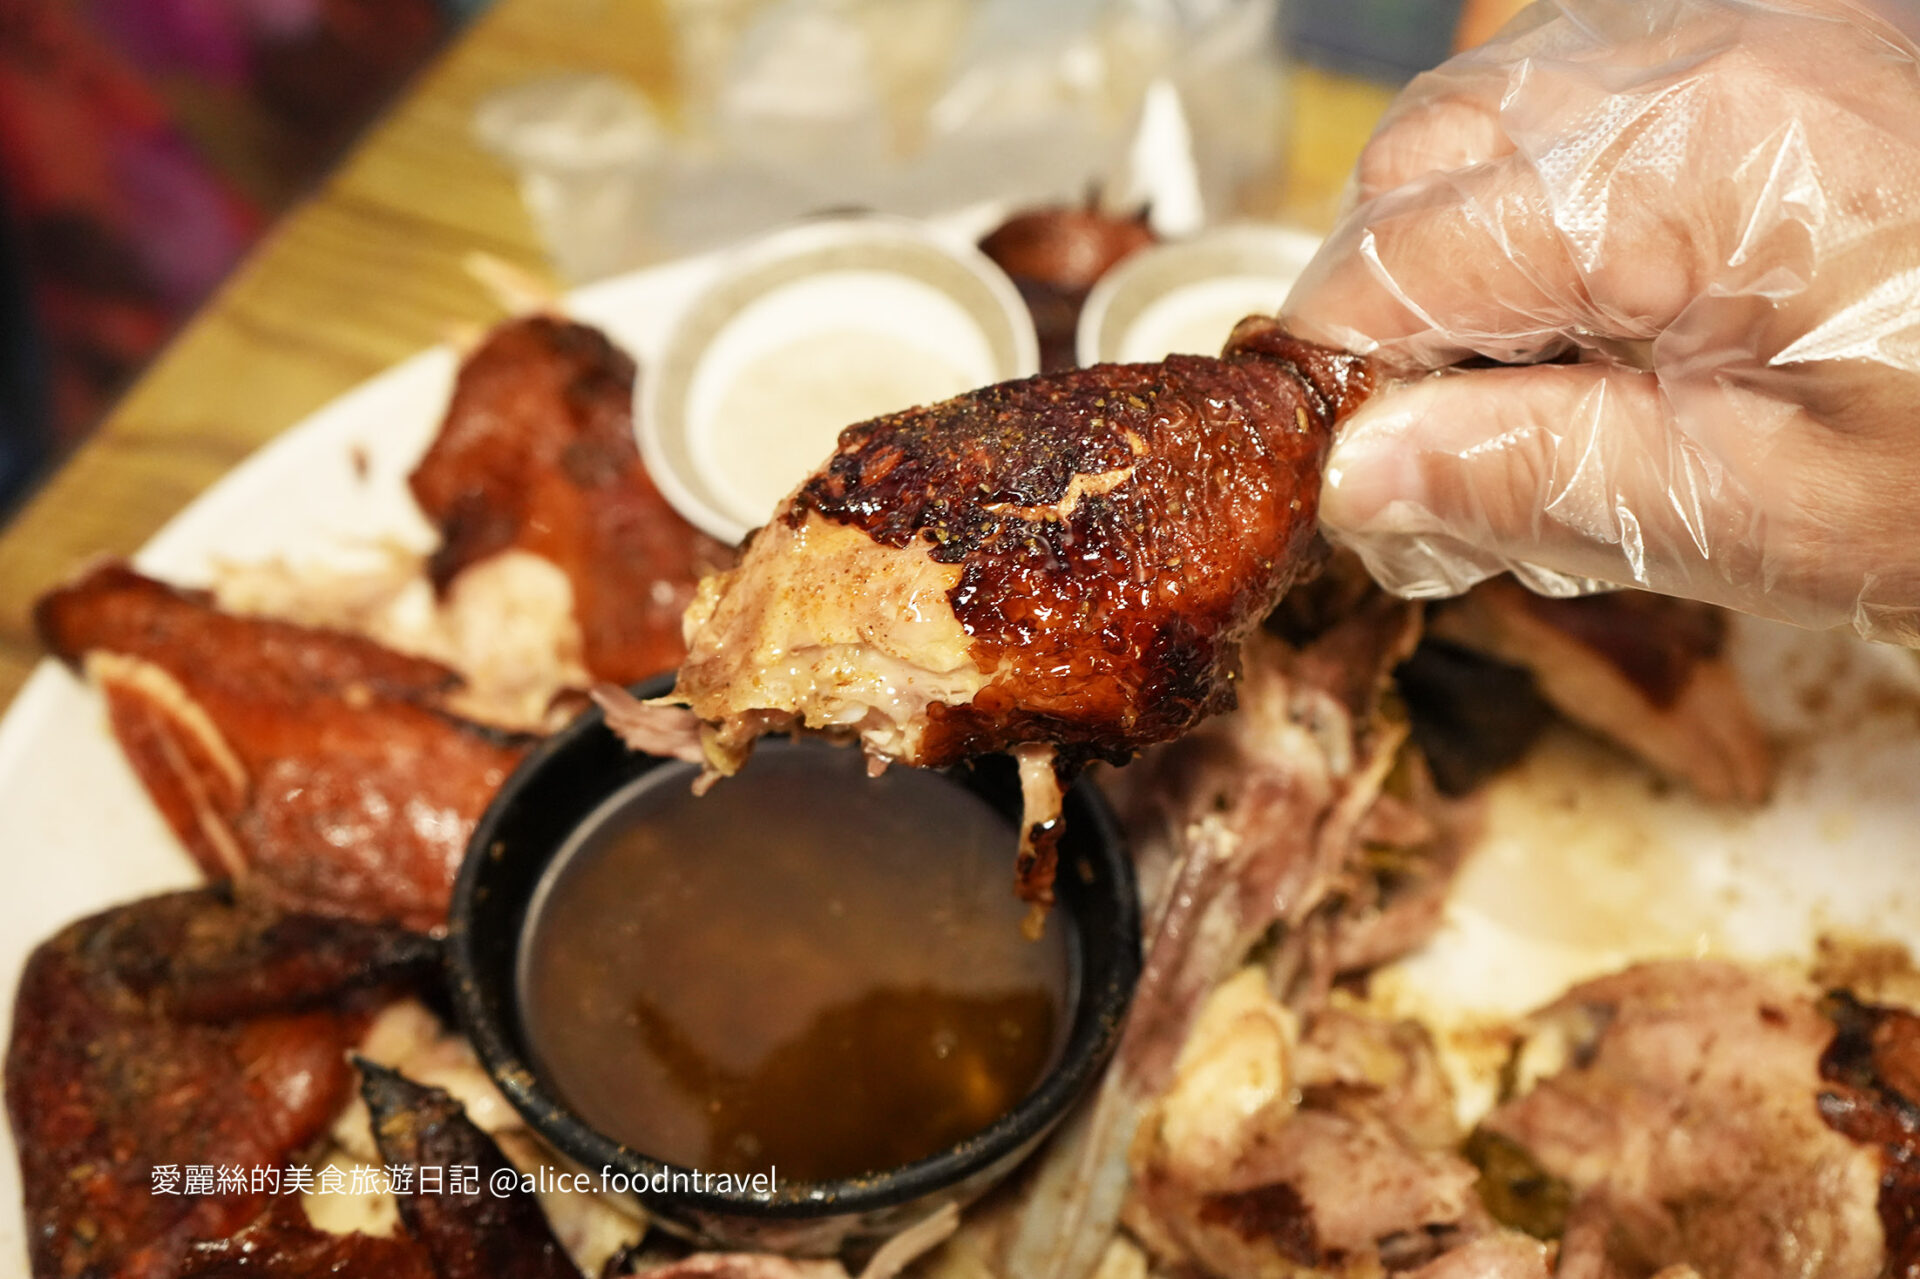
806	359
1195	319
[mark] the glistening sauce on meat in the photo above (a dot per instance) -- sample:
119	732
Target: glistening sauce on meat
807	969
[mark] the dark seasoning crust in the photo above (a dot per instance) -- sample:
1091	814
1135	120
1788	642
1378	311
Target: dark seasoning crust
1872	1073
469	1235
1187	472
180	1029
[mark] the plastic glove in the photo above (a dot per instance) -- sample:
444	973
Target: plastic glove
1713	211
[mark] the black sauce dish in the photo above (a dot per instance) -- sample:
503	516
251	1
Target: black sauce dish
561	785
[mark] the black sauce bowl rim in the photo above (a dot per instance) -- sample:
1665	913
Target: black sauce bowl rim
1093	1030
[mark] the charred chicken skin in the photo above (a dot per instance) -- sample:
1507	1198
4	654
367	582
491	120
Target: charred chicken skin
1872	1095
469	1235
209	1028
182	1029
1061	567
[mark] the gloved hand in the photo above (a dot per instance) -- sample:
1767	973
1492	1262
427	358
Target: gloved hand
1710	212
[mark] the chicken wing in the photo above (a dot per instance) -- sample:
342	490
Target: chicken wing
471	1235
1061	567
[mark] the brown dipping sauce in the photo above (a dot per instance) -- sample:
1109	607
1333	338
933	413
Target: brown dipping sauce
809	969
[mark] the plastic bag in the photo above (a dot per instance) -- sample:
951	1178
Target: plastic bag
914	107
1709	214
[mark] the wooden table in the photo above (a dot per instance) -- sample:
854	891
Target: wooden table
372	268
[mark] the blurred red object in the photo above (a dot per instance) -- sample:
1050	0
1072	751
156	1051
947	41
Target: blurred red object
1055	257
145	143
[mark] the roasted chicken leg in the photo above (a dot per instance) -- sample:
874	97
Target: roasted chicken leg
1061	567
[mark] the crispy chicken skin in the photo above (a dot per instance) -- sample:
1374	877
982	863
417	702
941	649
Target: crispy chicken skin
137	1042
213	1028
282	1244
319	765
446	1233
1872	1073
1067	562
537	452
469	1236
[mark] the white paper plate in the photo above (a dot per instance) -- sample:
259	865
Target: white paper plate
1587	864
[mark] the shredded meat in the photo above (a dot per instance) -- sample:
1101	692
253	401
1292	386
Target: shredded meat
1247	829
537	452
1679	1109
1279	1154
319	765
1069	561
887	1261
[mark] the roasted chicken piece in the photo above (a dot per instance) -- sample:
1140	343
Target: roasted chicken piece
537	452
1061	567
447	1233
185	1029
1318	1151
1671	1115
1645	671
319	766
1055	257
282	1244
470	1236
